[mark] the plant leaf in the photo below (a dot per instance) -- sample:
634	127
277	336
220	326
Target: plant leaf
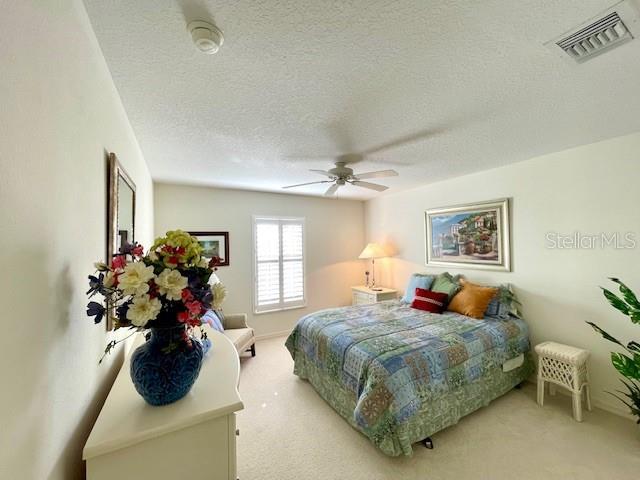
633	388
605	334
627	366
634	396
633	347
621	399
627	293
615	301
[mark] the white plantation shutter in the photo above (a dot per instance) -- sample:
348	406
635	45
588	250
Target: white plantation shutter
268	263
279	263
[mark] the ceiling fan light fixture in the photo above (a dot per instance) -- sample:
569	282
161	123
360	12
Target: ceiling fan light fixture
342	175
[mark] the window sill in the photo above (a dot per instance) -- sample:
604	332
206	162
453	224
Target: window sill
274	310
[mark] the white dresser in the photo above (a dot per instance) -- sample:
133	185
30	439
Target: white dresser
363	295
193	438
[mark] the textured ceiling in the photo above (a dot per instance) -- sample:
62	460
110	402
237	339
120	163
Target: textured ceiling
446	88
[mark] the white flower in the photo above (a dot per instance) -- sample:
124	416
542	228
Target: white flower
219	292
134	279
101	266
203	263
143	309
171	283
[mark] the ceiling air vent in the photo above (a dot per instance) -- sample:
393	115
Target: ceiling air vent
609	29
592	40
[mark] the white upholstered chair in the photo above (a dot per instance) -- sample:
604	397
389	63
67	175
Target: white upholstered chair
240	334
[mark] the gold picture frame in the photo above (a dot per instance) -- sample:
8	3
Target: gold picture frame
121	212
475	235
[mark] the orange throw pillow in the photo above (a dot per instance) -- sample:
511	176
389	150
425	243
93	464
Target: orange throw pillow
472	300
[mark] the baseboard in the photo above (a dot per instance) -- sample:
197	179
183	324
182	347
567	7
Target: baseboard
595	402
273	335
619	411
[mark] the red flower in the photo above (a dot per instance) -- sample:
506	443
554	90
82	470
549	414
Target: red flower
183	317
187	296
194	307
138	250
153	289
179	250
119	261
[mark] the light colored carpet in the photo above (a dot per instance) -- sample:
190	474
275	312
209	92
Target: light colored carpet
288	432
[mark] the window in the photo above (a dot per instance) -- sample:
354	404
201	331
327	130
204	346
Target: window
279	263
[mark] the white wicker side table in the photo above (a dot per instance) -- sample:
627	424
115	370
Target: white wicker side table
565	366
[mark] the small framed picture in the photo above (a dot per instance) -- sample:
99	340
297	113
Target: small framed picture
214	244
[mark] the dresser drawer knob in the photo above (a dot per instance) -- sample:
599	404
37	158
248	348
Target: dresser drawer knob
238	432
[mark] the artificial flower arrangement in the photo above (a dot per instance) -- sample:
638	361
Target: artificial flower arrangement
167	287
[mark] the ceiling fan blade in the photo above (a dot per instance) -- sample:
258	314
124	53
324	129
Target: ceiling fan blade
370	186
308	183
378	174
332	189
322	172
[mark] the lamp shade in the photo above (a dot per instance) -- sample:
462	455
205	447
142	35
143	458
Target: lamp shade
373	250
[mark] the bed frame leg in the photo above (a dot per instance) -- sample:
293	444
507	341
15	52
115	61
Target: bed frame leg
428	443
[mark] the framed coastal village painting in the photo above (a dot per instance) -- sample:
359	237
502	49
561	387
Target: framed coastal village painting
469	236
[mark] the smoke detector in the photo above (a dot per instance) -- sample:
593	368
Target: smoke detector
612	28
206	36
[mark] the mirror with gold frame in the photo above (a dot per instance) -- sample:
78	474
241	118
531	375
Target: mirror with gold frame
121	211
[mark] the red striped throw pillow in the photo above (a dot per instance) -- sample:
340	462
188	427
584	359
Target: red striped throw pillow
429	301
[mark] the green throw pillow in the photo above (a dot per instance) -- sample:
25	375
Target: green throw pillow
445	283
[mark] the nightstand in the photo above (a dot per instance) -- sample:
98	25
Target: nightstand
363	295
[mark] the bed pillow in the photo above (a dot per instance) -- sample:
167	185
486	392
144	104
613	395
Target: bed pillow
496	308
429	301
472	300
417	280
212	318
445	283
505	303
220	314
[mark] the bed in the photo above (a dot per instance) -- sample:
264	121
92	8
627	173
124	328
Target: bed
399	375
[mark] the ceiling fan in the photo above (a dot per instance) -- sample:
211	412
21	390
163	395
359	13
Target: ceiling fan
342	175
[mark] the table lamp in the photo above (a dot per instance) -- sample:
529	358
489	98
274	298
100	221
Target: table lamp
373	251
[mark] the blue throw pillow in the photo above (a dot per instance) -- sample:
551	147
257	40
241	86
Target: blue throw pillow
505	303
496	308
417	280
212	319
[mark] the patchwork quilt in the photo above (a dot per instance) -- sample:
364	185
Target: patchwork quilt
385	364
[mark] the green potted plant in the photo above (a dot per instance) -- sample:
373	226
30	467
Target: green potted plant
627	363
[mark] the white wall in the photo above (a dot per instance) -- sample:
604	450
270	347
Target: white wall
334	239
590	189
60	112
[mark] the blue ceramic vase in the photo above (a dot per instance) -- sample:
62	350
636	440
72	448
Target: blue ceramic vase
165	368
